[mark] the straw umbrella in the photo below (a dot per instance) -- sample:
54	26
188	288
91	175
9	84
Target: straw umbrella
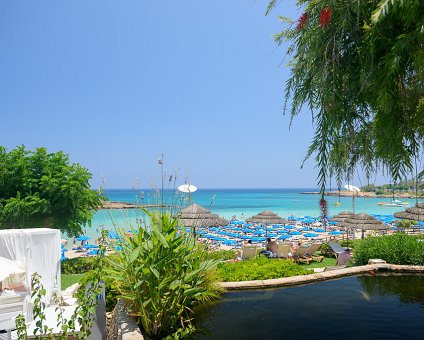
266	217
363	221
196	216
416	213
341	216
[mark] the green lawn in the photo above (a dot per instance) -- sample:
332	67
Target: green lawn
327	261
69	279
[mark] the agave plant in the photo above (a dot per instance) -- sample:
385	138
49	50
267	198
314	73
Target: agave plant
162	273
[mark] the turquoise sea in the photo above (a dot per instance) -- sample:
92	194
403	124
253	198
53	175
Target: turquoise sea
243	203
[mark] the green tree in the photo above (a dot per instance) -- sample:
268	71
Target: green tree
40	189
359	68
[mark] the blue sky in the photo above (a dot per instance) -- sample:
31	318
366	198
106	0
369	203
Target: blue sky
117	83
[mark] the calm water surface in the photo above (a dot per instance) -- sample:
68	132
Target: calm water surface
359	307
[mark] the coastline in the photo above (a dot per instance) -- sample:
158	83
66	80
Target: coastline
125	205
346	193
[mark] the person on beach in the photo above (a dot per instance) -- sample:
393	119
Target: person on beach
271	248
344	258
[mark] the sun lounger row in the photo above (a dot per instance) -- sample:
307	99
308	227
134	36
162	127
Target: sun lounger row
304	253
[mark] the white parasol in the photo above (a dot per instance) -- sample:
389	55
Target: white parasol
352	188
187	188
355	190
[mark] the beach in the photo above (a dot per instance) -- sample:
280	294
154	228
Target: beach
124	209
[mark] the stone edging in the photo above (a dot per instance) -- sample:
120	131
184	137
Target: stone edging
326	275
123	326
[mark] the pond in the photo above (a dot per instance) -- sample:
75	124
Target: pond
356	307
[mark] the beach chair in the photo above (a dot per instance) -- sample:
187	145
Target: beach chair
283	249
311	250
335	249
248	251
299	255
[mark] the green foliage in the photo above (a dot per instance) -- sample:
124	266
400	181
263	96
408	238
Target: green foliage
111	290
362	78
78	265
162	273
405	224
21	327
38	294
398	248
260	268
408	186
40	189
222	255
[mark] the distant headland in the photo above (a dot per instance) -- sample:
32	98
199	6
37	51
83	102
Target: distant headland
347	193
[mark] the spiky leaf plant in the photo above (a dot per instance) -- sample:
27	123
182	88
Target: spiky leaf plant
162	273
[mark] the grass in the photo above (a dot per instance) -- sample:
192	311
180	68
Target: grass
69	279
327	261
260	268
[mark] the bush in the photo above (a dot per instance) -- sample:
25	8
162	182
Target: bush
398	248
111	290
162	273
260	268
222	255
79	265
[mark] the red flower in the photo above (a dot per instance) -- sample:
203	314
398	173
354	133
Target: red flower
325	16
324	209
302	21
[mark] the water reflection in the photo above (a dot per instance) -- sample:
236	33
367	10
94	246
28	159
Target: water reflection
364	307
409	288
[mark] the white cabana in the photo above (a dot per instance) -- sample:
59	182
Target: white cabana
38	250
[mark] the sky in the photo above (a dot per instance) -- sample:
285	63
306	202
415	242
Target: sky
116	84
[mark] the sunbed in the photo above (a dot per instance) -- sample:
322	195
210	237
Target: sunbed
311	250
335	249
283	249
299	255
248	251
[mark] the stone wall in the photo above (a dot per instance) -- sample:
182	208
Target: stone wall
122	326
317	277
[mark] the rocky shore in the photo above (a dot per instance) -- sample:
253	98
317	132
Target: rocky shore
346	193
125	205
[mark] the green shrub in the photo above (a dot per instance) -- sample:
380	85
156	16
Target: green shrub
352	243
111	290
79	265
398	248
222	255
162	273
260	268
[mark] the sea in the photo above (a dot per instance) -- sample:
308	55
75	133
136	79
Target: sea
229	203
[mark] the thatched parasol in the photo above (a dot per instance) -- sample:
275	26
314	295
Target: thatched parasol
363	221
267	216
197	216
341	216
416	213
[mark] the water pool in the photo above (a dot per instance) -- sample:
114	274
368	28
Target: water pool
356	307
